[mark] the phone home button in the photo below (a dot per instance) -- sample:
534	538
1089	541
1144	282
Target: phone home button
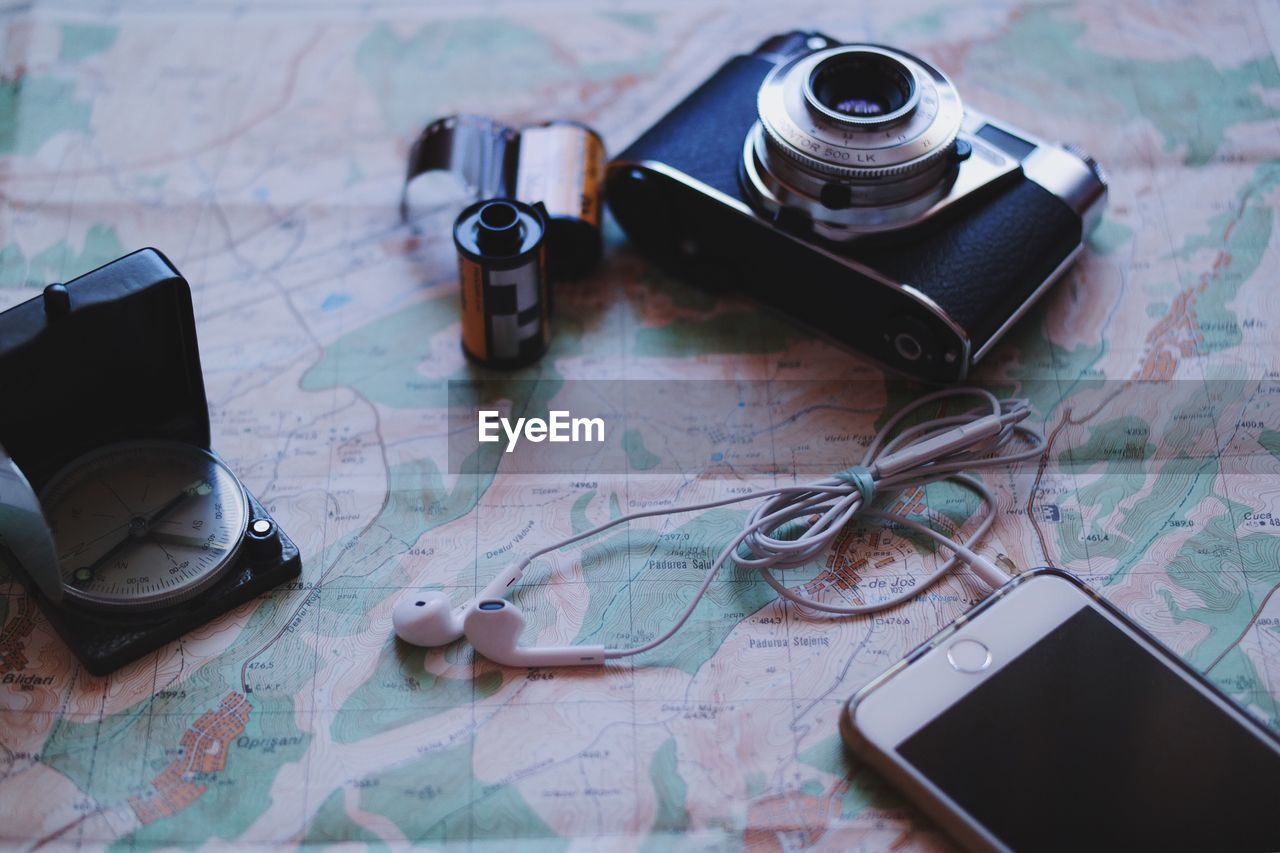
969	656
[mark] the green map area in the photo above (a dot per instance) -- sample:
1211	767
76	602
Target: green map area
263	154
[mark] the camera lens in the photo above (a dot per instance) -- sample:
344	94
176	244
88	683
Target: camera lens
862	85
859	137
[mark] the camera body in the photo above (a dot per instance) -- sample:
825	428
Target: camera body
846	186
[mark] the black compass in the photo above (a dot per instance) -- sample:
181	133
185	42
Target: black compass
130	528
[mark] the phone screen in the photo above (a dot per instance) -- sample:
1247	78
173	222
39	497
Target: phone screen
1088	741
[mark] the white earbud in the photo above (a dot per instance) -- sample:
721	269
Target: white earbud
898	459
493	628
426	618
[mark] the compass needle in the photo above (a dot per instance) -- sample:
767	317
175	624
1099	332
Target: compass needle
156	557
202	542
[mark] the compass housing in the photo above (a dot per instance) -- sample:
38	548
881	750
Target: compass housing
174	519
112	357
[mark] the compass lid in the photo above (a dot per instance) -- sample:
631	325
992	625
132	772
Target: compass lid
25	536
110	356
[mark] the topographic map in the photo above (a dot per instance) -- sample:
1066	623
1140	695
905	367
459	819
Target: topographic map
262	146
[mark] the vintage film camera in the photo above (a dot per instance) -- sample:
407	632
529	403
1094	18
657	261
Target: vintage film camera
846	185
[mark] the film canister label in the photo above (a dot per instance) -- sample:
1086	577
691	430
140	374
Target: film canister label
503	281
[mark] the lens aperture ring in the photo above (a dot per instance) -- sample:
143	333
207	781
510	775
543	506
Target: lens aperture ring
859	114
840	171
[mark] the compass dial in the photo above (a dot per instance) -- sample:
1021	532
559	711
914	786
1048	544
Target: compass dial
144	524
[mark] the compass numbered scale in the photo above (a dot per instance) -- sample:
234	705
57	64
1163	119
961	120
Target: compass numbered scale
128	528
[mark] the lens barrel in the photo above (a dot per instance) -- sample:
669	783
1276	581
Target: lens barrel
862	87
857	136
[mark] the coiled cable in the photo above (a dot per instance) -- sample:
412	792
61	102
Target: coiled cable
795	525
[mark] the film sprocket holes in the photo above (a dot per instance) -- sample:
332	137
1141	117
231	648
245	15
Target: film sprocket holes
559	164
846	185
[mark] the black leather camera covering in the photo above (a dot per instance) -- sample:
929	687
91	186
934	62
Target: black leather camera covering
978	264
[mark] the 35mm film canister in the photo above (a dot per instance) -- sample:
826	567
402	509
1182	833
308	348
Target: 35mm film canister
561	164
502	261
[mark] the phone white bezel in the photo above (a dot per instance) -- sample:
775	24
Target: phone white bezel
925	684
931	684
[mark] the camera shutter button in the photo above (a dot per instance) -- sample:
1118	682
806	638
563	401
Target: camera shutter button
836	196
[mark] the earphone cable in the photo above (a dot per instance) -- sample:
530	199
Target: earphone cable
796	524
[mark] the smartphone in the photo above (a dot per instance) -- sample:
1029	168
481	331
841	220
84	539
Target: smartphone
1045	719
